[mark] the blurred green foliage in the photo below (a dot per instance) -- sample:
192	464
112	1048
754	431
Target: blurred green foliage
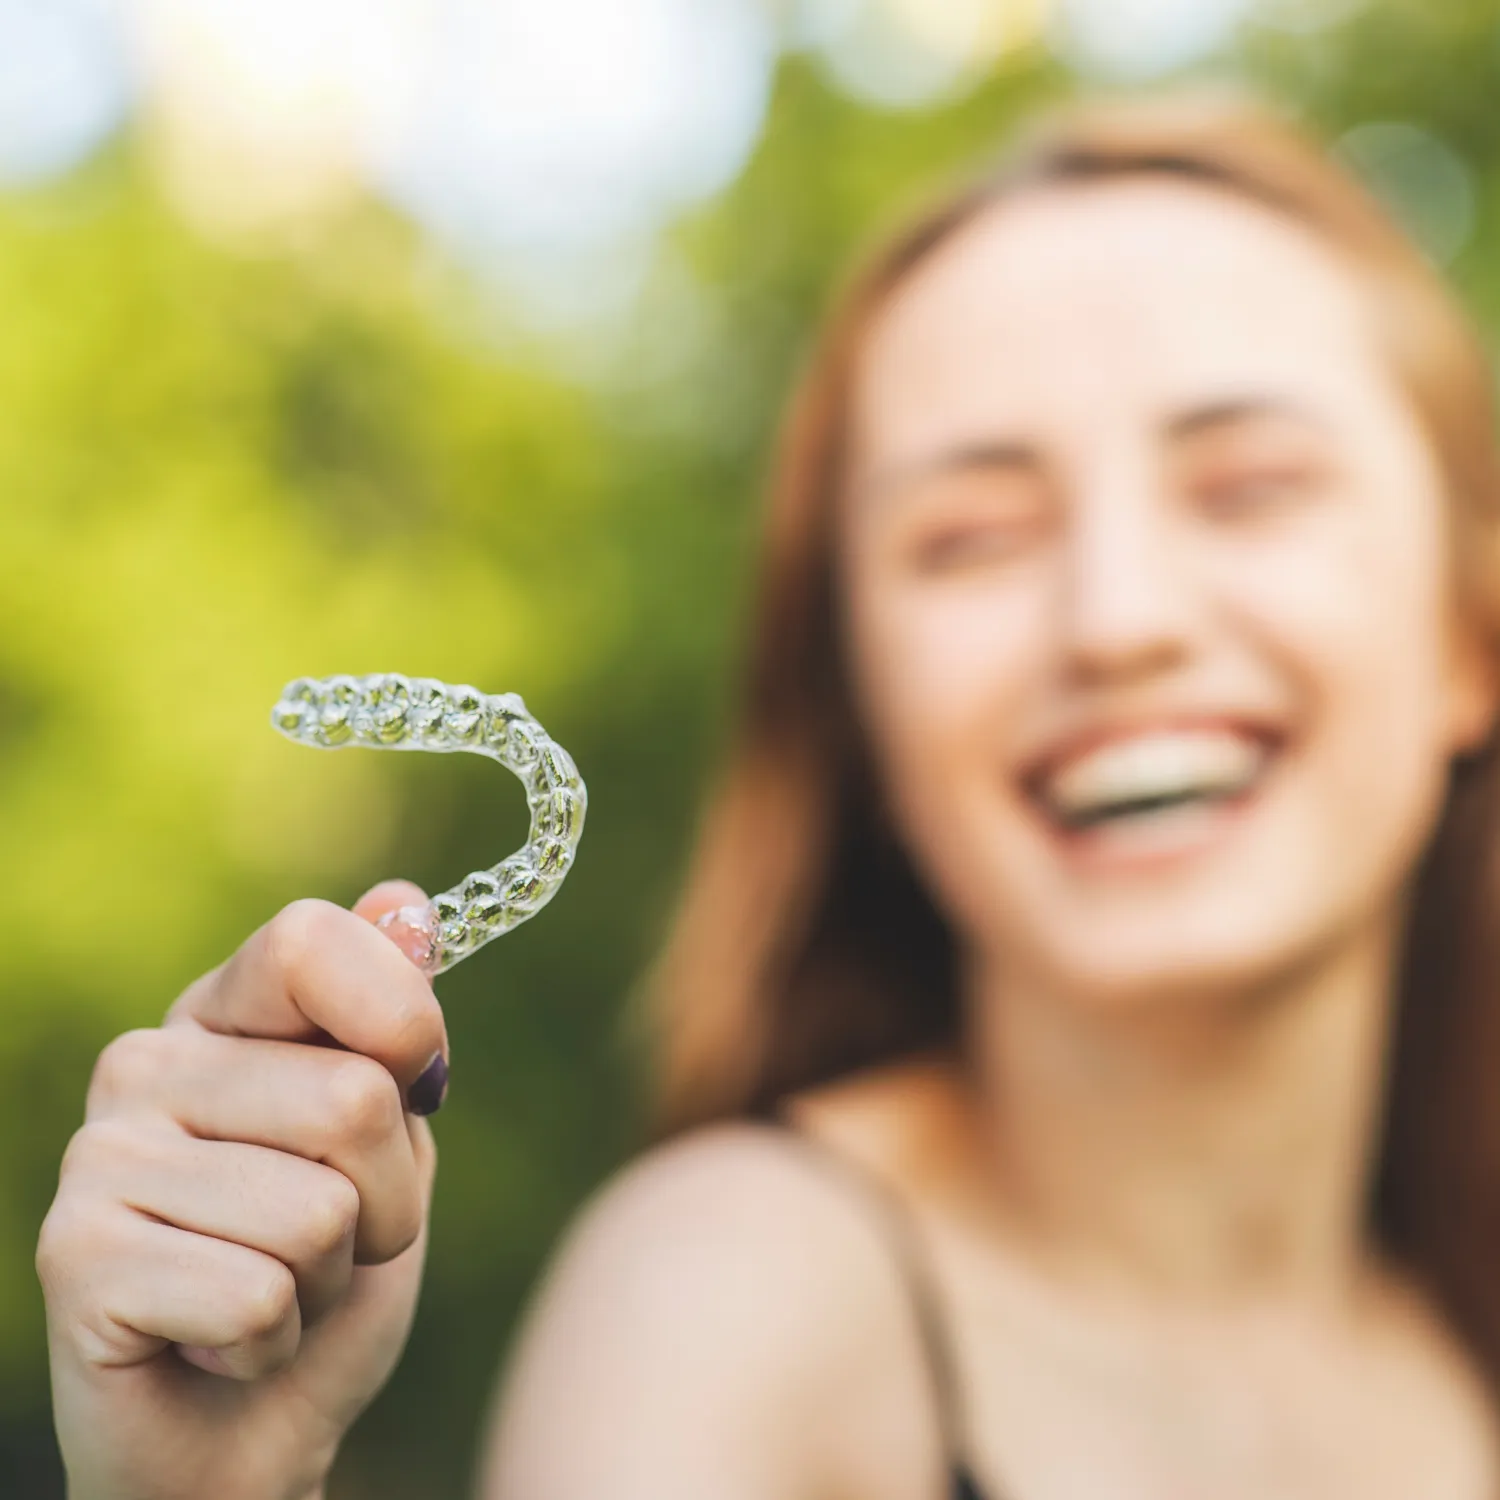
220	470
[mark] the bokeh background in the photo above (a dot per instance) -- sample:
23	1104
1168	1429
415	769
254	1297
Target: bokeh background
449	336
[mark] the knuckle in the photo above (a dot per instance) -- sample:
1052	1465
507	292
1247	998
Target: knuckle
56	1245
70	1244
404	1228
75	1156
331	1217
266	1302
403	1020
97	1338
393	1238
415	1025
297	930
98	1149
363	1102
128	1067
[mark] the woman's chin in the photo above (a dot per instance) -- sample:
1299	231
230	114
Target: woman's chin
1200	948
1193	962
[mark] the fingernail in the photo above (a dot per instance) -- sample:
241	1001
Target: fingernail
426	1094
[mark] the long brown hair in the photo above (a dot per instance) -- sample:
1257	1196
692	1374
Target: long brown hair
806	947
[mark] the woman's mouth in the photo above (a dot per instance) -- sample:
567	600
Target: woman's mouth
1151	793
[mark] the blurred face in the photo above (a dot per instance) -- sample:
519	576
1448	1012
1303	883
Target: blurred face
1143	565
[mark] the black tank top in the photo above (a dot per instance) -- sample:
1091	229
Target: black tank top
916	1276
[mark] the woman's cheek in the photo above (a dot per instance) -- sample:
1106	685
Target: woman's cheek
1351	626
946	655
945	685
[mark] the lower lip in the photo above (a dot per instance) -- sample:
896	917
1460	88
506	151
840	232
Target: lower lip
1162	842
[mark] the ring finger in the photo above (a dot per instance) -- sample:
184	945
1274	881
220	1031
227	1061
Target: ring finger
299	1212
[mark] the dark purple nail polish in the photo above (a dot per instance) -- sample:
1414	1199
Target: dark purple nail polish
426	1094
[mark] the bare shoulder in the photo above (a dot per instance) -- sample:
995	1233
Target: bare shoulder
736	1189
733	1231
719	1306
741	1197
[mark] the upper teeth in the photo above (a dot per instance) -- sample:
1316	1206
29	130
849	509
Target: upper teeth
1169	763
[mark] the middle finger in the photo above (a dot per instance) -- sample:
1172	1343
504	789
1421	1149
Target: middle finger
298	1211
323	1104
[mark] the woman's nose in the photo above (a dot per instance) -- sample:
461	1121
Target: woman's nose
1126	595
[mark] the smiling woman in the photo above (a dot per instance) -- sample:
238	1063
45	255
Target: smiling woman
1297	634
1076	1031
1119	734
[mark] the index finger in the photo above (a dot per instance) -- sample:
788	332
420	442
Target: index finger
318	973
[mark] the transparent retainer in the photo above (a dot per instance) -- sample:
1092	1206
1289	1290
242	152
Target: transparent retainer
386	711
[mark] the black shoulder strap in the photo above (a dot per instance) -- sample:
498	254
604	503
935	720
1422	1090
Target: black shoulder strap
916	1273
965	1486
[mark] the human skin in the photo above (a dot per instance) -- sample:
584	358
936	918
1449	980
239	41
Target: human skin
256	1201
1123	456
1129	458
1204	500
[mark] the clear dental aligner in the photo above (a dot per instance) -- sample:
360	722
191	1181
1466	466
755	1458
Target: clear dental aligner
387	711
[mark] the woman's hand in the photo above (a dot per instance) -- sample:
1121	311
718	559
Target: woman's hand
232	1259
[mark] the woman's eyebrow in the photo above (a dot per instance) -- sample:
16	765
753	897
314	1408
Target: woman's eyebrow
885	484
1232	410
984	453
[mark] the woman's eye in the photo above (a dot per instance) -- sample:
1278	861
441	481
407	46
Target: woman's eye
973	543
1254	493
